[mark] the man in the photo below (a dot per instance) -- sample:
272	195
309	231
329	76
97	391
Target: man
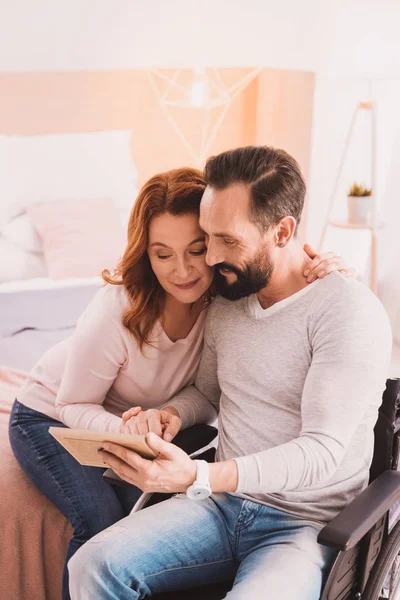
296	372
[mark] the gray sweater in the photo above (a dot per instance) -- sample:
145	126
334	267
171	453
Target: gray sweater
297	387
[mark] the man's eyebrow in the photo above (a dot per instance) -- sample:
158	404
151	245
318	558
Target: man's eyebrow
199	239
227	235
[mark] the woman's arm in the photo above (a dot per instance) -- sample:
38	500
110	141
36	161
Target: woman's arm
96	354
321	265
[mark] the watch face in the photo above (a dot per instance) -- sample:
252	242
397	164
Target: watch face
198	493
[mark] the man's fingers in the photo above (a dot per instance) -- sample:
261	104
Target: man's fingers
119	467
130	457
160	446
173	426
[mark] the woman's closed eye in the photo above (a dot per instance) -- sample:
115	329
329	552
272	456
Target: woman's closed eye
163	256
198	252
191	252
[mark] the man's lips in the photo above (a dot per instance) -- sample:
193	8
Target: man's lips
225	271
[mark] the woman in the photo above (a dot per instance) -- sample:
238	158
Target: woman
136	345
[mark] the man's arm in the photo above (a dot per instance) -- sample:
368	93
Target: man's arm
199	403
172	471
351	346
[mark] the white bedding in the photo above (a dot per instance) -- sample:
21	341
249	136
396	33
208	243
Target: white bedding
44	283
36	314
47	168
44	304
76	166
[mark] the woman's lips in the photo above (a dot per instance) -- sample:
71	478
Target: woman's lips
186	286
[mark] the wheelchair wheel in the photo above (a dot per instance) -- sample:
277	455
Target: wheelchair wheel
384	579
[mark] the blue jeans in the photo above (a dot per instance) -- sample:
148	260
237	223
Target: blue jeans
181	544
79	493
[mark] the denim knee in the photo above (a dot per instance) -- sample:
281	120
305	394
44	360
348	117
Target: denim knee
84	568
96	567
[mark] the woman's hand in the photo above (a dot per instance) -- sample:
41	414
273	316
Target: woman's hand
165	423
323	264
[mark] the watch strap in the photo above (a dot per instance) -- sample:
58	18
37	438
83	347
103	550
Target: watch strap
202	472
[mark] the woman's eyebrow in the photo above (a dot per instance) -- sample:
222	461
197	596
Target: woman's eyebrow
199	239
159	244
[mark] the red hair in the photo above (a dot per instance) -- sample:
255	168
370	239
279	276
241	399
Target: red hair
177	192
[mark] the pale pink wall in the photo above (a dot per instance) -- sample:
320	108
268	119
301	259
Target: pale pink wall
284	116
275	109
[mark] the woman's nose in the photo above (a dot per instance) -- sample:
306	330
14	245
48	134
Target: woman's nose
182	268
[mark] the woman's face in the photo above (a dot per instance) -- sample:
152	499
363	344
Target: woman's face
177	253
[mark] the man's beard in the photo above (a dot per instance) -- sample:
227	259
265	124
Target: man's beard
250	280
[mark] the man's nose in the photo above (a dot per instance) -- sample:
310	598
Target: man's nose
214	255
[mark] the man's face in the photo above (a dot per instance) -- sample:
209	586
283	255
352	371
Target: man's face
235	246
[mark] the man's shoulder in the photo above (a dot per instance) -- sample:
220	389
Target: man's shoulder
222	310
337	288
347	299
221	305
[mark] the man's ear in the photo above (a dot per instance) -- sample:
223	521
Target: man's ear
284	231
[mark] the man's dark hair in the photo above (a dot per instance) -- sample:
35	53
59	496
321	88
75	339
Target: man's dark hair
277	188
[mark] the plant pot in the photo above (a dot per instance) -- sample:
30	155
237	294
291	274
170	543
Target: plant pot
359	209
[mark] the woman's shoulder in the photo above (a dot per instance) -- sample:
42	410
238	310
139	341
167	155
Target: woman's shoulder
111	302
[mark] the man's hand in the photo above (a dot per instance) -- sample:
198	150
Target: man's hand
165	423
323	264
172	471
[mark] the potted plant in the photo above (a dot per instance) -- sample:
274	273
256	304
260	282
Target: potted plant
359	204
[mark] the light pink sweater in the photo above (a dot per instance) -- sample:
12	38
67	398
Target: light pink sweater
88	380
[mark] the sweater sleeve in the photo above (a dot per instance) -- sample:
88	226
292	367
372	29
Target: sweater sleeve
351	347
199	403
95	356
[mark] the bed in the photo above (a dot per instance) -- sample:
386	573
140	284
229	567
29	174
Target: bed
38	313
34	315
65	201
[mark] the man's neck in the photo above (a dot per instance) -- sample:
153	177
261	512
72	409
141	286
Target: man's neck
287	277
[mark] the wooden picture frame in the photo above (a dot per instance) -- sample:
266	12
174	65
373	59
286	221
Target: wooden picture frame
84	444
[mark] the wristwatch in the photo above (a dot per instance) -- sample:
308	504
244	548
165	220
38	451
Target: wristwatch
200	488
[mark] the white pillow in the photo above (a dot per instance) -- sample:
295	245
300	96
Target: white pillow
19	264
51	167
20	232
